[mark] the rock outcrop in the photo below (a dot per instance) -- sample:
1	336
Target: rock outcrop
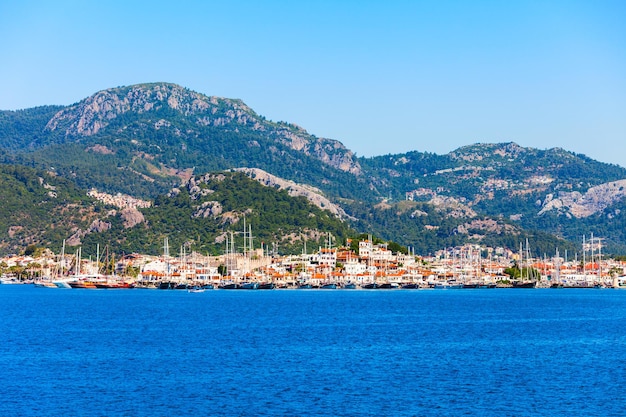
579	205
131	217
312	194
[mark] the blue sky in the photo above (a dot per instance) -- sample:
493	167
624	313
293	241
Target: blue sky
380	76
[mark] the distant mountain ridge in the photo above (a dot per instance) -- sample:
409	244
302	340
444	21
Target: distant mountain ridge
91	115
551	190
143	140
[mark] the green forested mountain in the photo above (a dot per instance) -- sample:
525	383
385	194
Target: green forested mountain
553	191
206	209
43	209
40	208
25	129
430	227
144	140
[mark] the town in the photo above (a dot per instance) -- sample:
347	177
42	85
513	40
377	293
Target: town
371	266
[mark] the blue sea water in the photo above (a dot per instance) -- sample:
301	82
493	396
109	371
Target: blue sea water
502	352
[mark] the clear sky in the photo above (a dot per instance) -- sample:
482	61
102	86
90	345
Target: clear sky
380	76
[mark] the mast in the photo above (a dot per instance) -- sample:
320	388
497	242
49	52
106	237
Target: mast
78	259
528	262
521	260
166	255
62	262
557	266
599	260
226	258
250	246
112	263
182	266
231	252
584	264
592	249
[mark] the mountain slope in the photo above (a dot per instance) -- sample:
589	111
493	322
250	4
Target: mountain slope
312	194
25	129
204	210
40	208
552	190
155	135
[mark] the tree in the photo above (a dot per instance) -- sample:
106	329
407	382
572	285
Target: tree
513	272
18	271
30	250
132	271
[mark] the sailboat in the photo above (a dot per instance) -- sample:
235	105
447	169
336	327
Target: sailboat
167	283
249	282
61	282
528	282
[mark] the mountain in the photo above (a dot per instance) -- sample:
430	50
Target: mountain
551	190
24	129
205	209
42	209
145	140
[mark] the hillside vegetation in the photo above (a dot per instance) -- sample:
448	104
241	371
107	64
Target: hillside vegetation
40	208
206	209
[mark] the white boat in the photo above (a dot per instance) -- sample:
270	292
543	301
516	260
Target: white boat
44	283
62	283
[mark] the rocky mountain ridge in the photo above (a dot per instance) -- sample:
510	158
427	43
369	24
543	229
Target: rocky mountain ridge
95	113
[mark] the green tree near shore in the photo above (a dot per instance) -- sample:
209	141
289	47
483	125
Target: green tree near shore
516	273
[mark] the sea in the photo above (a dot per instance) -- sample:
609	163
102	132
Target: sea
491	352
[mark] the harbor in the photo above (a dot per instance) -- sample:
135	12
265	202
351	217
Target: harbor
352	266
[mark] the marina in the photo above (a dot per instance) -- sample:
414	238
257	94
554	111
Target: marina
363	266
